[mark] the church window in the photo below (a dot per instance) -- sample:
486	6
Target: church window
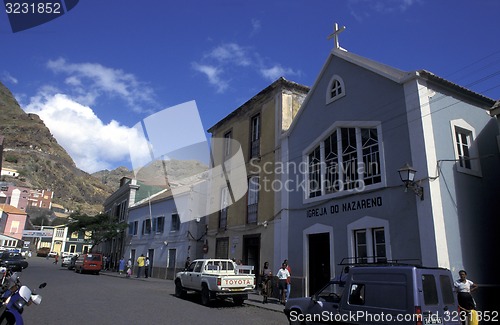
348	159
335	90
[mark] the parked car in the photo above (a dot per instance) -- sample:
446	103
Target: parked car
89	263
393	292
14	261
65	261
52	254
43	251
71	264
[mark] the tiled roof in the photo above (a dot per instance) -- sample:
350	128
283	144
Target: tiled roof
7	208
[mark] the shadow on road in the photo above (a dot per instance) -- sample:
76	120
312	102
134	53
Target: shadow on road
217	303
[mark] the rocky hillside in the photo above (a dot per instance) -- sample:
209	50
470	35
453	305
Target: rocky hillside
30	148
179	172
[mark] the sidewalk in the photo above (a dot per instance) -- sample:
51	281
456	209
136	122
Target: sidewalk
254	299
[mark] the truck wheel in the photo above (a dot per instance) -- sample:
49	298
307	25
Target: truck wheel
179	290
205	296
238	301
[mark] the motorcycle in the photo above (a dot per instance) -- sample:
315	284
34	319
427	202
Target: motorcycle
15	297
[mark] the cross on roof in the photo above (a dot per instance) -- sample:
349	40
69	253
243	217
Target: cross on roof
335	35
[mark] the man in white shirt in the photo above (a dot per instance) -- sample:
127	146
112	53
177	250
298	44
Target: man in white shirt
283	277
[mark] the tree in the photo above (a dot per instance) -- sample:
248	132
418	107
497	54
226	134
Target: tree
101	226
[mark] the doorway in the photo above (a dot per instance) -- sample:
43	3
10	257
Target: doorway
319	261
251	252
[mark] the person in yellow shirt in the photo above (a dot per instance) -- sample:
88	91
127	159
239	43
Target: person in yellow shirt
140	265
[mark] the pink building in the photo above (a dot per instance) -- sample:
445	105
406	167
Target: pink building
16	196
12	221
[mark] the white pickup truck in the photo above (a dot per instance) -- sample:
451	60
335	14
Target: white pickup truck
215	278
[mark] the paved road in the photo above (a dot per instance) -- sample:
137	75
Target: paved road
72	298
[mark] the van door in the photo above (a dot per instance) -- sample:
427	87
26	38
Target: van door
436	298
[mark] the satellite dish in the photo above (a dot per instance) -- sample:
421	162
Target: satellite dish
165	242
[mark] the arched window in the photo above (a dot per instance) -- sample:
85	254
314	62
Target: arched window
335	90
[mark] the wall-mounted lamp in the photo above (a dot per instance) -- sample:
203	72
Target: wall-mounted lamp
407	175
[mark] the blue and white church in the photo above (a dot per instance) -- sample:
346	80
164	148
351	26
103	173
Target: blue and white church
384	165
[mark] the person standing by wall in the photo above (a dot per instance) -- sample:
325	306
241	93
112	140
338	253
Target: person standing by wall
146	267
121	265
140	264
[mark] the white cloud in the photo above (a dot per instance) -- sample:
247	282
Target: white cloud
213	75
9	78
92	80
230	53
92	144
277	71
361	9
235	58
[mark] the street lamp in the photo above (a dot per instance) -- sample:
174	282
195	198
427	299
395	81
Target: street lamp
407	175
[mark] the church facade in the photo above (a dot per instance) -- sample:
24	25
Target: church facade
360	124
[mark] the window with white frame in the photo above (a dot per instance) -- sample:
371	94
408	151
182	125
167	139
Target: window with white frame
370	245
253	199
314	162
465	148
348	158
369	240
463	140
335	90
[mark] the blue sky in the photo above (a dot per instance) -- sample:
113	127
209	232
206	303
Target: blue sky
98	70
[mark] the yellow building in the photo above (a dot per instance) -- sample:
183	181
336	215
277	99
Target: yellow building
246	229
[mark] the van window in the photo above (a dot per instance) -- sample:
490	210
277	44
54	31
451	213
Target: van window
357	294
430	290
446	290
91	257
